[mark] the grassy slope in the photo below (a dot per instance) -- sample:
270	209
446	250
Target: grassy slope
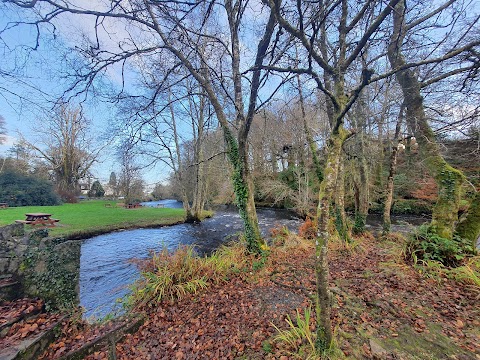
89	218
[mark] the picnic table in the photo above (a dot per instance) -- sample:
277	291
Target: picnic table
133	206
3	205
41	219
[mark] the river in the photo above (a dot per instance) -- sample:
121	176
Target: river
106	269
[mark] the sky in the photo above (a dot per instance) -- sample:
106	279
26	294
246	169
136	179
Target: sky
24	99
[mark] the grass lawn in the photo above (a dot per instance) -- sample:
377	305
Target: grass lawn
88	218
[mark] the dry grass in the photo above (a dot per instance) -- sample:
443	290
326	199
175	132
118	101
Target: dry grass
169	276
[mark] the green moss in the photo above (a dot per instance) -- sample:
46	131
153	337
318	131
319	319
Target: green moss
360	223
411	206
449	182
432	345
469	226
341	227
51	271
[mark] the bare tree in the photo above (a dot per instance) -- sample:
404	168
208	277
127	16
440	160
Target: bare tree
325	31
63	143
344	51
391	173
448	179
130	183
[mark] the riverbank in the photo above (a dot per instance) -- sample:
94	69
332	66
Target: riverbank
94	217
383	308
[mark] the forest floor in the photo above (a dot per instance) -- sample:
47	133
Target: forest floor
383	308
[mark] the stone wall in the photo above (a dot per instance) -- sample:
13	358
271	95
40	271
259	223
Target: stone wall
13	244
44	267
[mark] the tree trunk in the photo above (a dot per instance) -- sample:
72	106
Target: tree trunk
327	188
469	226
243	189
381	154
341	217
199	191
179	168
361	210
312	145
448	179
391	174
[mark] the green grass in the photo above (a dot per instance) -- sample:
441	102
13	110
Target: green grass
89	218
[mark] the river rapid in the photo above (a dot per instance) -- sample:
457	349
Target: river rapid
106	269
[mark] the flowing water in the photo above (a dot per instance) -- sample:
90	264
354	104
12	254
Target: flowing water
105	266
106	269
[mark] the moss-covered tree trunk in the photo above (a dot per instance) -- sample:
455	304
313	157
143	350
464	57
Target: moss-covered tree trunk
361	211
469	226
448	179
243	189
340	215
312	145
327	189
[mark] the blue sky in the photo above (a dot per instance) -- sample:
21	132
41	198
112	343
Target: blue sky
24	98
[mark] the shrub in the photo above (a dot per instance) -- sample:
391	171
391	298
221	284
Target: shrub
308	229
411	206
426	245
68	196
96	190
18	189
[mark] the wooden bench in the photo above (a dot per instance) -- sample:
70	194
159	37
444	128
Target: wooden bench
121	204
108	205
23	221
3	205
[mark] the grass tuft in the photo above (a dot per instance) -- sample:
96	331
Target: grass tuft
300	337
468	273
169	276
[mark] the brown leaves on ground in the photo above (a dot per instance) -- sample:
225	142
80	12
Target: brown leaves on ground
394	298
11	310
24	320
76	333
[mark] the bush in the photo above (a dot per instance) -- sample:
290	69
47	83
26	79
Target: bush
18	189
68	196
411	206
426	245
308	229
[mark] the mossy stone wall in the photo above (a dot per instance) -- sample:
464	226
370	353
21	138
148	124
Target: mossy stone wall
46	267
